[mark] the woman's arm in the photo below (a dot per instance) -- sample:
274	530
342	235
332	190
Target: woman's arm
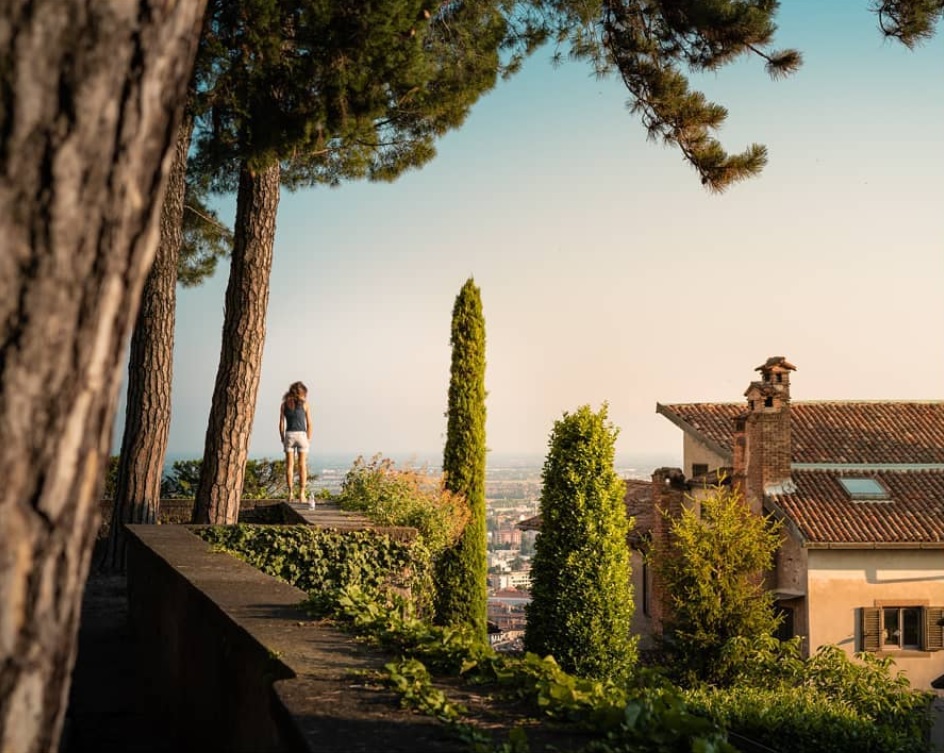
308	418
282	421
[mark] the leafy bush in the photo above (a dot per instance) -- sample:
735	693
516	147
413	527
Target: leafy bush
408	497
111	477
263	479
802	719
710	570
181	482
827	702
404	497
321	562
582	600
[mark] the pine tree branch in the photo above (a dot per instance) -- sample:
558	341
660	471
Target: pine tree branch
209	219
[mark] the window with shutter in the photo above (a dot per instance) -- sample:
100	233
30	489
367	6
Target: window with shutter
871	628
933	629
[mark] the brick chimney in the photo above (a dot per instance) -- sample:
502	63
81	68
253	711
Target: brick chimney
763	446
669	493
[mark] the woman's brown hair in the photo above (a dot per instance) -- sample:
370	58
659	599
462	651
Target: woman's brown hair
297	391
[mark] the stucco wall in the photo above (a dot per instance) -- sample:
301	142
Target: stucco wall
842	581
642	623
695	452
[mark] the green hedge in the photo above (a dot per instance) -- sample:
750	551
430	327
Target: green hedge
828	702
321	562
804	719
581	593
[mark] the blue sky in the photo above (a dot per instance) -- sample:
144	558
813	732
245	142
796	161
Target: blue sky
607	272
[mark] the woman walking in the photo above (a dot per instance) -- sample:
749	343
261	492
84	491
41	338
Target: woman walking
295	431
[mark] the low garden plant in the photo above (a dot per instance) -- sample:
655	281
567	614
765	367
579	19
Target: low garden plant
826	702
411	497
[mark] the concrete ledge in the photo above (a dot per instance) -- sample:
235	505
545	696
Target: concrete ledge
240	667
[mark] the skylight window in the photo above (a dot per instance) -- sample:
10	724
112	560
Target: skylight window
864	488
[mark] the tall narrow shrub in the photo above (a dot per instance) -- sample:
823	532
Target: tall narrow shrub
581	594
462	570
711	570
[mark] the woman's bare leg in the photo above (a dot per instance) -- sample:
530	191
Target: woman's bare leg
302	472
289	474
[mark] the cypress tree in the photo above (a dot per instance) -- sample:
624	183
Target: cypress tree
581	595
461	572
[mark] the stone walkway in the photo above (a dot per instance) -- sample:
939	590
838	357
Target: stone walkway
110	708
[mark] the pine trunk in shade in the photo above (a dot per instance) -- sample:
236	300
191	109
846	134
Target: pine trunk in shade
92	96
226	449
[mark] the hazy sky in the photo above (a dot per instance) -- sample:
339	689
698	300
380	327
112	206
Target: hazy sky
607	272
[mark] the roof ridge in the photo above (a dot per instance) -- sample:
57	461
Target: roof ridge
867	401
937	468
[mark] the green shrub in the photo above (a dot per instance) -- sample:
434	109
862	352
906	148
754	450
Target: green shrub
263	479
581	595
710	570
111	477
827	702
802	719
408	497
321	562
404	497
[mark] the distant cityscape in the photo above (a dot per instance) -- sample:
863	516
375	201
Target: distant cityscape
330	468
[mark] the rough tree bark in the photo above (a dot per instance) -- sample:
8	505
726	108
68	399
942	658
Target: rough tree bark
226	448
90	96
150	371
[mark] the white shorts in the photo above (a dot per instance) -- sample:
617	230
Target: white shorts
296	440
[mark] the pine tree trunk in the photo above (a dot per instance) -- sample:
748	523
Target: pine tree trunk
150	371
244	327
91	93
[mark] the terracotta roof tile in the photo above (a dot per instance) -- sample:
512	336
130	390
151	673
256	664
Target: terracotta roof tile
531	524
824	512
835	431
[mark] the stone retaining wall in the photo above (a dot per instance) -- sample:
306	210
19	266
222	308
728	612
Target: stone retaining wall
241	668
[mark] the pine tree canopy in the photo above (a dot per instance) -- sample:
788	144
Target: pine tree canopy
206	239
653	45
362	88
909	21
338	90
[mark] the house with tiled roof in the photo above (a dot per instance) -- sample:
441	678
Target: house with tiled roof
859	487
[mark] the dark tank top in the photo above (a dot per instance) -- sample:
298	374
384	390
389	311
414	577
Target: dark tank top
295	417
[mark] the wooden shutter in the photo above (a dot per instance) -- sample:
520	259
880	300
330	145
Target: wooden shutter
871	625
933	628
